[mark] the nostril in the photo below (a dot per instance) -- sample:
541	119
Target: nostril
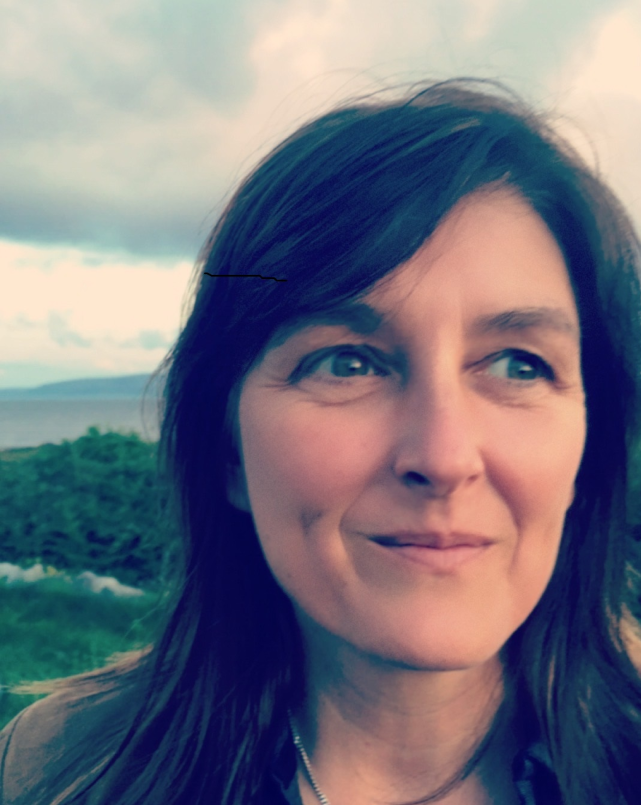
416	478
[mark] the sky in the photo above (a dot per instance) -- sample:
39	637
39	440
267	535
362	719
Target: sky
124	126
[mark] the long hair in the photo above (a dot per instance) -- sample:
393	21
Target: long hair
334	208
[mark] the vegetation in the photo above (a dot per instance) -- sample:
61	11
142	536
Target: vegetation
90	504
49	630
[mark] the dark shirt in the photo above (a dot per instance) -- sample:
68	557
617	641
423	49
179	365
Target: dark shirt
531	770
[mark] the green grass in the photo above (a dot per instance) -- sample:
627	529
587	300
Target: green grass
50	630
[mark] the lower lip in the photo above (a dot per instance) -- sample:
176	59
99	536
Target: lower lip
442	560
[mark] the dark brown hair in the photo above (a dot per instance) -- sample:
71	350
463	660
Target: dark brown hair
334	208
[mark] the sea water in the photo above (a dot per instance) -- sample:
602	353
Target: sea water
29	423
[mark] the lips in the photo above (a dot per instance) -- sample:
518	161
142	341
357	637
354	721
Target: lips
436	540
445	554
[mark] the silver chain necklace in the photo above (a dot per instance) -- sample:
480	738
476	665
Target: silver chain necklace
298	743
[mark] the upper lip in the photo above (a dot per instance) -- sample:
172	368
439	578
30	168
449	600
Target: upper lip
439	540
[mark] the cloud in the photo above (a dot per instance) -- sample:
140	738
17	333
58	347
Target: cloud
543	32
125	123
84	313
62	335
104	138
148	339
600	92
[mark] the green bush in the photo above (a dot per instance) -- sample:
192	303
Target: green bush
88	504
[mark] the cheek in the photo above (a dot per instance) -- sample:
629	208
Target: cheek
302	473
295	463
536	456
305	469
538	485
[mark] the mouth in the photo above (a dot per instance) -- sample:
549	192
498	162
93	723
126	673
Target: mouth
434	541
440	553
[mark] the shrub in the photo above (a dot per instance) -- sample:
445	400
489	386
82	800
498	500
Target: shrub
89	504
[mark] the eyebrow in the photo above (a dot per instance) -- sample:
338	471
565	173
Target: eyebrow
359	317
363	319
528	318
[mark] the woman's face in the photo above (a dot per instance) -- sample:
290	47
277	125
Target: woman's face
409	466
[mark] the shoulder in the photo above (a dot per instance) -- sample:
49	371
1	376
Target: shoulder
64	736
37	739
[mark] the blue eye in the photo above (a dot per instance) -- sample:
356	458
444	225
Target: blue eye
348	363
341	362
516	365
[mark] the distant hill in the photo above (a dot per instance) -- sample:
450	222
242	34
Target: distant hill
96	388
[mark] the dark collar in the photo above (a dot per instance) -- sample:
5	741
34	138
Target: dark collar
283	769
534	776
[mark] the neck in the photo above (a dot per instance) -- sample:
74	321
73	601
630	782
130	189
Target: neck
375	731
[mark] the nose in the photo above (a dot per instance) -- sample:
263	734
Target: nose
437	449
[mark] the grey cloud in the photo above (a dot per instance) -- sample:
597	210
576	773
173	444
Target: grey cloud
147	339
100	145
83	216
26	323
97	145
61	334
532	39
151	339
524	44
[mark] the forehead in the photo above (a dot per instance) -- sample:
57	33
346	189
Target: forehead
492	245
492	263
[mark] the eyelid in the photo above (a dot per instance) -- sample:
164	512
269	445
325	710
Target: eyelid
391	363
531	357
306	366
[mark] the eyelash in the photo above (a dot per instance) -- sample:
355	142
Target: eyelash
545	371
383	367
310	363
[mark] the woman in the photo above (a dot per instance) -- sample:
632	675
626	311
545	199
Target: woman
397	424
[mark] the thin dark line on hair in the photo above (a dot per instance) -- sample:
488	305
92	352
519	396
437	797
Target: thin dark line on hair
244	275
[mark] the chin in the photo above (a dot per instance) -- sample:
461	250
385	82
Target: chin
439	653
439	661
